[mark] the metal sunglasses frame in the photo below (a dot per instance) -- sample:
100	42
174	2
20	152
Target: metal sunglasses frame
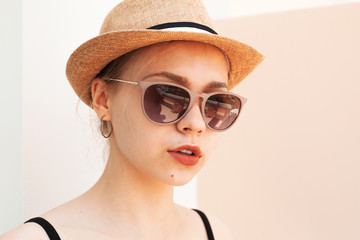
144	85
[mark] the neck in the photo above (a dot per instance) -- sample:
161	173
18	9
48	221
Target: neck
125	190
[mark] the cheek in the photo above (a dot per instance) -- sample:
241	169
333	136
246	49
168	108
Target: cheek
134	133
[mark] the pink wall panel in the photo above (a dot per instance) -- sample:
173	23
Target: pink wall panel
290	168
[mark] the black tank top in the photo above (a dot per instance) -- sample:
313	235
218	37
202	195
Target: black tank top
53	235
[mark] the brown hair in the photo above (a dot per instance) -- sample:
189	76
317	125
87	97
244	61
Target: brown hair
113	69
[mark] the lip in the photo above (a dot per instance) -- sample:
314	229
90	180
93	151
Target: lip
187	160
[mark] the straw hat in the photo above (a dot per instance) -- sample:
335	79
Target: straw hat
137	23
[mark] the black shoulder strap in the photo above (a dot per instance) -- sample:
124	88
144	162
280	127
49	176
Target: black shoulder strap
206	224
49	229
53	235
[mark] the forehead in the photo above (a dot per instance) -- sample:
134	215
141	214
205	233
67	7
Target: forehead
192	60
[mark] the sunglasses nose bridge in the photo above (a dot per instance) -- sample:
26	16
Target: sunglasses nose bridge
193	119
202	100
195	96
202	97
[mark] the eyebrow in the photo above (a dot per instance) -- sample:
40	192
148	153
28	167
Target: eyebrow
184	81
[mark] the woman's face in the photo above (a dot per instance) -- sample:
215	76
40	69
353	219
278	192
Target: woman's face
150	149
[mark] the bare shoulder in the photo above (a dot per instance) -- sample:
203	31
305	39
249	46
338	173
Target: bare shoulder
33	231
220	230
30	231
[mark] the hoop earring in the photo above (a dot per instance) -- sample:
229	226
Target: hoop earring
106	129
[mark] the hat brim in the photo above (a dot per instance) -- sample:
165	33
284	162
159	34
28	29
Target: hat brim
92	56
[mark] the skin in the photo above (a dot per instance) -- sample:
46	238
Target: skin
133	199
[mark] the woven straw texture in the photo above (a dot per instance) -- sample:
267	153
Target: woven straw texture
125	29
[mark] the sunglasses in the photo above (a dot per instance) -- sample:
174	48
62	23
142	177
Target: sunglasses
167	103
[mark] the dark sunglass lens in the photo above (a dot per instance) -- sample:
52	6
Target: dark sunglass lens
221	110
165	103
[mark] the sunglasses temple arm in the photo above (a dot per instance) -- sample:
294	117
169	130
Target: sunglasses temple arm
123	81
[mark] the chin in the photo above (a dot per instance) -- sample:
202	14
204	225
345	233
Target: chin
179	178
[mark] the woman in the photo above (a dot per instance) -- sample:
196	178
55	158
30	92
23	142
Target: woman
158	77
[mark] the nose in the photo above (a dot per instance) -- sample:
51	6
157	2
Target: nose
193	122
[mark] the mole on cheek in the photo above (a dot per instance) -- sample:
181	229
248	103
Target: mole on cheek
172	175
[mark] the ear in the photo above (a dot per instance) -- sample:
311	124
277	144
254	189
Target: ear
101	99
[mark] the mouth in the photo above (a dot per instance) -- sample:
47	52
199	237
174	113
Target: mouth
187	155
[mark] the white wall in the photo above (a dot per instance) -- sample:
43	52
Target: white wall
11	176
62	153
